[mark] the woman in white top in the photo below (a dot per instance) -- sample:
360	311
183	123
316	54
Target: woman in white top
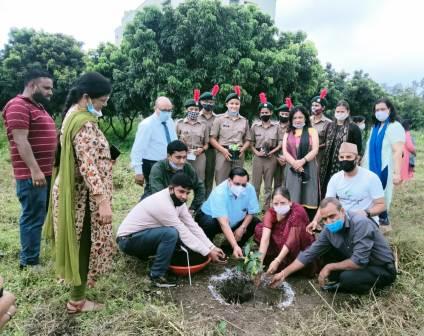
383	154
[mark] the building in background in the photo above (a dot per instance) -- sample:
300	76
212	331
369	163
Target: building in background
267	6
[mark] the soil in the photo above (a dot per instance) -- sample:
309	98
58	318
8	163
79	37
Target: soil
253	317
237	289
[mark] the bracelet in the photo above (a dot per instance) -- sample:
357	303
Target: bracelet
10	315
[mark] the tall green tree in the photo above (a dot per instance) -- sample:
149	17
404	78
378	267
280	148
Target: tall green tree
59	54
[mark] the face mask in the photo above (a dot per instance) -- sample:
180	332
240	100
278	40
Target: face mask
284	119
208	107
237	190
299	126
164	116
335	226
315	110
381	116
233	113
192	115
177	202
282	209
92	110
347	165
175	167
341	116
265	118
361	126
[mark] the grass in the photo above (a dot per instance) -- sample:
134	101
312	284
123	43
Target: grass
133	308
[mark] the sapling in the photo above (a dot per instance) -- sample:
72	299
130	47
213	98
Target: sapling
251	264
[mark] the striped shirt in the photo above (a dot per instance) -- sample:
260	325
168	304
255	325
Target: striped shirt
21	113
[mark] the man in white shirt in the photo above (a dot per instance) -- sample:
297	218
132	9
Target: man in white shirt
358	189
154	226
153	136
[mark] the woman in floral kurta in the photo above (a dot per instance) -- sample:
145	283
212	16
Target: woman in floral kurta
82	216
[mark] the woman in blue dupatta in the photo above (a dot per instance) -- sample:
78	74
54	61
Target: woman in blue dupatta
383	154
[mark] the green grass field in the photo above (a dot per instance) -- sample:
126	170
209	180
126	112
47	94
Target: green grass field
134	309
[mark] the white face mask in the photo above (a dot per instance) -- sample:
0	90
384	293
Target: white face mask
237	190
381	115
298	126
341	116
282	209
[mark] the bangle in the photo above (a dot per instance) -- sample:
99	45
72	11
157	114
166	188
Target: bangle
10	315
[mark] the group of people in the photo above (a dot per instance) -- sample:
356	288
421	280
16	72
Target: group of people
323	180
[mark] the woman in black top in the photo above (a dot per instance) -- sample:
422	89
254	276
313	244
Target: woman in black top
342	129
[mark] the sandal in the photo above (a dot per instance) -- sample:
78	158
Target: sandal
83	306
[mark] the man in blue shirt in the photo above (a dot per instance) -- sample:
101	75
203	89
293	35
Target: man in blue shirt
230	209
153	136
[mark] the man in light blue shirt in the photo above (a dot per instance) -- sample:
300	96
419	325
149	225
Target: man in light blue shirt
230	209
153	136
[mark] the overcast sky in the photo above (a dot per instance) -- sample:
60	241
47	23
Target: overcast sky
382	37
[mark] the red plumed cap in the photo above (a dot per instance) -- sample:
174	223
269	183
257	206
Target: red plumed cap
262	98
215	90
323	93
237	90
196	95
289	103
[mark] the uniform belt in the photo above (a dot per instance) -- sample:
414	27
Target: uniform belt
260	148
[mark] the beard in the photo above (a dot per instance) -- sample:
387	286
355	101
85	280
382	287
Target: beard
39	98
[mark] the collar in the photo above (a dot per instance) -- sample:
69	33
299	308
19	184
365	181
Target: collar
30	101
187	121
202	114
226	115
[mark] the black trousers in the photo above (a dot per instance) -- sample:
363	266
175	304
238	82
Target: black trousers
211	227
360	281
147	167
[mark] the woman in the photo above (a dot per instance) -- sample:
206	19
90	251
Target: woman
81	209
195	135
339	131
383	154
300	148
282	235
408	155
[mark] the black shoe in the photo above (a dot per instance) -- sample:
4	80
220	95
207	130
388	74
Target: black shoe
331	287
163	282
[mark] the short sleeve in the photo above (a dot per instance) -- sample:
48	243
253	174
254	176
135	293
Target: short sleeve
332	186
17	116
218	206
375	187
253	206
215	128
269	219
397	133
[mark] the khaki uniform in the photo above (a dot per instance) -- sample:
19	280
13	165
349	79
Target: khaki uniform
195	136
210	154
320	126
279	171
264	167
228	131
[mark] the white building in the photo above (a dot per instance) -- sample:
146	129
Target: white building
267	6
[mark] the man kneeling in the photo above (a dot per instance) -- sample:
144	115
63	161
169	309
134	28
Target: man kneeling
154	226
364	259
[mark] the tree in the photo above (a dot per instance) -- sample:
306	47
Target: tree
59	54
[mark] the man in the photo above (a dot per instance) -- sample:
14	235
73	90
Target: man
230	136
195	134
358	189
283	122
363	259
154	226
32	137
207	101
318	119
153	135
163	171
266	142
230	210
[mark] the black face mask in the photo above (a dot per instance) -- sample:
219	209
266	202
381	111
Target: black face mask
207	107
284	119
347	165
265	117
176	201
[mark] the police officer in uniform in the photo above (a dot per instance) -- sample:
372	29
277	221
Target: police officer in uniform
230	136
265	143
207	116
195	135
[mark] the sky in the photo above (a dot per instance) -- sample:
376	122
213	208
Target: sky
381	37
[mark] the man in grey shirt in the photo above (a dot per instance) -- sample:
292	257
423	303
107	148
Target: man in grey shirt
364	258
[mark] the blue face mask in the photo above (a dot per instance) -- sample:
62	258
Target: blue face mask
336	226
164	116
92	110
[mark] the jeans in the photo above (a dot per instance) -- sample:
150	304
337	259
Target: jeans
34	203
211	227
160	242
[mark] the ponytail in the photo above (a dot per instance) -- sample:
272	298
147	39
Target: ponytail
72	98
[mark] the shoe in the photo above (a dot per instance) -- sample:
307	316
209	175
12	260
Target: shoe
163	282
331	287
34	268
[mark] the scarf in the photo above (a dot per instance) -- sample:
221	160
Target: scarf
66	245
375	152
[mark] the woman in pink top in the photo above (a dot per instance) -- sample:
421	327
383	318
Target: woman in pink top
407	170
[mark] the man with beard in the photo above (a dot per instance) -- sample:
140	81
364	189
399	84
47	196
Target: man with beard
156	224
32	140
